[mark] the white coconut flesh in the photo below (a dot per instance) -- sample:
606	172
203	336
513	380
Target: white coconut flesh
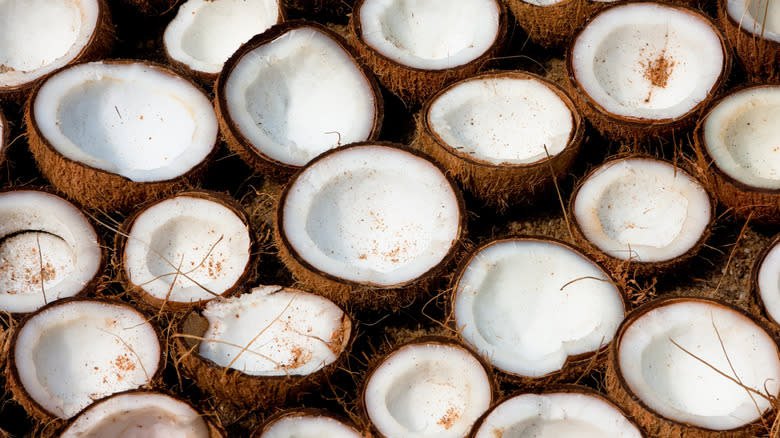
372	214
130	119
759	17
205	33
283	332
528	305
309	426
678	385
427	390
556	415
741	135
647	61
187	249
48	250
430	34
40	36
71	354
768	282
138	415
502	120
642	209
299	95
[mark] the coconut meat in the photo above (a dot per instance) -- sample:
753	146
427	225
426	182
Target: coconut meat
769	282
741	135
284	332
300	95
430	34
502	120
309	426
40	36
372	214
527	305
647	61
554	415
131	119
139	415
187	249
759	17
205	33
678	385
642	209
427	390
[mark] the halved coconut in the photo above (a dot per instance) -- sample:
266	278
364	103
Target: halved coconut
261	348
186	250
41	36
693	367
113	134
294	92
644	69
640	212
753	29
72	352
740	154
765	279
416	47
140	414
558	412
553	23
504	135
432	387
48	250
369	225
205	33
302	423
536	308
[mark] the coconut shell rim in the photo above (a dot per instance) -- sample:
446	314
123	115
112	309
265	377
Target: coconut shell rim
721	5
299	412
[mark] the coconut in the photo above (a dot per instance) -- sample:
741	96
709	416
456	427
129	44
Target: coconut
417	47
752	27
41	36
552	23
642	69
764	280
48	250
75	351
114	134
294	92
505	136
186	250
694	367
370	225
205	33
306	423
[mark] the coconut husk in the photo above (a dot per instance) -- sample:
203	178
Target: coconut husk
305	412
553	25
152	7
322	10
760	57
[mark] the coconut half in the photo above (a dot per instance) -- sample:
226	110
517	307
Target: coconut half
73	352
369	225
765	280
753	29
669	363
48	250
428	388
205	33
644	69
293	93
114	134
306	423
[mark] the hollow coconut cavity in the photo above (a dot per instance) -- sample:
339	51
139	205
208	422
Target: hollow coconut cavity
532	305
431	388
306	424
186	250
73	352
48	250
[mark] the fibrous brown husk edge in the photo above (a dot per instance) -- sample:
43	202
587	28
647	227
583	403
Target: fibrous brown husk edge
759	56
553	25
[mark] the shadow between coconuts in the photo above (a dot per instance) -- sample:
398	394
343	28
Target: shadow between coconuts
361	429
760	57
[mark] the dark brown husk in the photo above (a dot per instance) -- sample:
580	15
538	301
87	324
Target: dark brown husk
320	9
553	25
152	7
4	130
305	412
759	56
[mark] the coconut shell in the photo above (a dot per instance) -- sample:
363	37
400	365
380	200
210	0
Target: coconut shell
553	25
305	412
759	56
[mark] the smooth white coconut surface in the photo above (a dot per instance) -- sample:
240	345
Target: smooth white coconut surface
187	249
769	282
131	119
205	33
72	354
372	214
427	390
300	95
678	386
40	36
741	135
642	209
502	120
527	305
309	426
285	332
556	415
48	250
430	34
647	61
759	17
138	415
